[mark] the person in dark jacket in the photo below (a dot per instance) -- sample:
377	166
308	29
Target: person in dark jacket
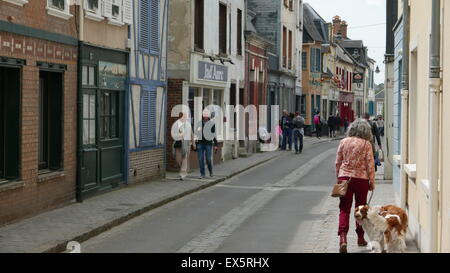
286	126
337	123
376	138
331	126
205	136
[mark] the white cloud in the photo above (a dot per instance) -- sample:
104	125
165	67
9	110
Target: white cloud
373	2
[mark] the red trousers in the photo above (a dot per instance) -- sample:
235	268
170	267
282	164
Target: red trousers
359	188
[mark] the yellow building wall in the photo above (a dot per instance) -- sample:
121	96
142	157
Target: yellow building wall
104	34
418	108
445	144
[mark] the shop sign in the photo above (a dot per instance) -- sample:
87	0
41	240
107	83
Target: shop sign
112	75
212	72
346	97
358	78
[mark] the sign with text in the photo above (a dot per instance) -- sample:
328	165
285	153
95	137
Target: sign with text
212	72
358	78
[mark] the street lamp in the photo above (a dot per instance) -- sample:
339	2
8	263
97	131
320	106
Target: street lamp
377	70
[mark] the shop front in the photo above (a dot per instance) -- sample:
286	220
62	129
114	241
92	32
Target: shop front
346	107
101	150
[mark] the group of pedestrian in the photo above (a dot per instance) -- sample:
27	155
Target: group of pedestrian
291	128
356	165
199	140
334	123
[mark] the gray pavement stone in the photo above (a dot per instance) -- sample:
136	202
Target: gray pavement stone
51	231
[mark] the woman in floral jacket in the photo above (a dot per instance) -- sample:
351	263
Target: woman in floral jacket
355	160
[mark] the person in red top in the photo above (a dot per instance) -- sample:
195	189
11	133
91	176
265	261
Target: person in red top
355	160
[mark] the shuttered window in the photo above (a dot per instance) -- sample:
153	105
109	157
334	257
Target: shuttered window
222	29
304	64
290	50
149	26
239	32
284	46
148	117
318	60
198	33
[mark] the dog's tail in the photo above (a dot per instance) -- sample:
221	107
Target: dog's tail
378	221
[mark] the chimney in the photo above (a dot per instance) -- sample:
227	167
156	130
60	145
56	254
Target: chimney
344	26
336	25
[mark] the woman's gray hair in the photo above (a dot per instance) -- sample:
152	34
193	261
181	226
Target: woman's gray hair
360	128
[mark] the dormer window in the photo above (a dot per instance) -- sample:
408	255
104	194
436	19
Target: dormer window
59	8
93	11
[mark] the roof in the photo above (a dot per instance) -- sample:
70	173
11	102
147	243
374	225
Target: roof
352	43
313	24
343	55
379	95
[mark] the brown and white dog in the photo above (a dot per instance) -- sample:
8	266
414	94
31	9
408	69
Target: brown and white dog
364	215
386	227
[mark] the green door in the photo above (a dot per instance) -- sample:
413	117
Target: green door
102	136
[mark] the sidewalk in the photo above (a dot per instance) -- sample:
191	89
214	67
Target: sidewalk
51	231
324	237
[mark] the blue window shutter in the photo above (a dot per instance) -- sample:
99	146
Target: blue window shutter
148	117
144	24
312	59
154	27
319	60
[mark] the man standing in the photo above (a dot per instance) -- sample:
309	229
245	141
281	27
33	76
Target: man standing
331	125
299	132
205	134
318	124
286	126
337	123
376	137
380	124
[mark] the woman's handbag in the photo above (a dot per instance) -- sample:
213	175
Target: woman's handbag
340	188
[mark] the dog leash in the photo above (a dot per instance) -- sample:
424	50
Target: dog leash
370	199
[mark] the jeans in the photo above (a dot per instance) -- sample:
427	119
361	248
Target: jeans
287	137
204	150
298	139
359	188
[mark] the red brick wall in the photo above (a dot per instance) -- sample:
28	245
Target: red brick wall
146	165
34	14
38	194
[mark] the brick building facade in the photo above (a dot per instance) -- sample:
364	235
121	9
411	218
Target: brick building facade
38	87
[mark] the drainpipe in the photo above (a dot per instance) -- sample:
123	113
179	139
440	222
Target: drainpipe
433	148
78	193
405	106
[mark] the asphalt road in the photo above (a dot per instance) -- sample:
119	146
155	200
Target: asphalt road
267	209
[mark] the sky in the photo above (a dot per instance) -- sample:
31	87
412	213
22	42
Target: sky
359	14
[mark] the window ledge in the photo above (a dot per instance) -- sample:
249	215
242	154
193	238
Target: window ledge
397	159
44	177
410	170
93	16
115	23
58	13
12	185
17	2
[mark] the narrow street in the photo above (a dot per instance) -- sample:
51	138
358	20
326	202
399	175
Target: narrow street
269	208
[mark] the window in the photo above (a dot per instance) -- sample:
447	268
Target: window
290	50
239	32
291	5
109	101
286	3
198	25
149	26
222	29
50	120
89	113
93	10
284	46
88	75
59	8
304	62
116	9
318	60
148	117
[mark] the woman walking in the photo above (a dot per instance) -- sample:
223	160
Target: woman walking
355	163
182	135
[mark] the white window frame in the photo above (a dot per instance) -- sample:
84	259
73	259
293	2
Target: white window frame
119	20
91	14
17	2
58	13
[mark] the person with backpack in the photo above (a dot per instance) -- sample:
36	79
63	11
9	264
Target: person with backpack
318	125
299	132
